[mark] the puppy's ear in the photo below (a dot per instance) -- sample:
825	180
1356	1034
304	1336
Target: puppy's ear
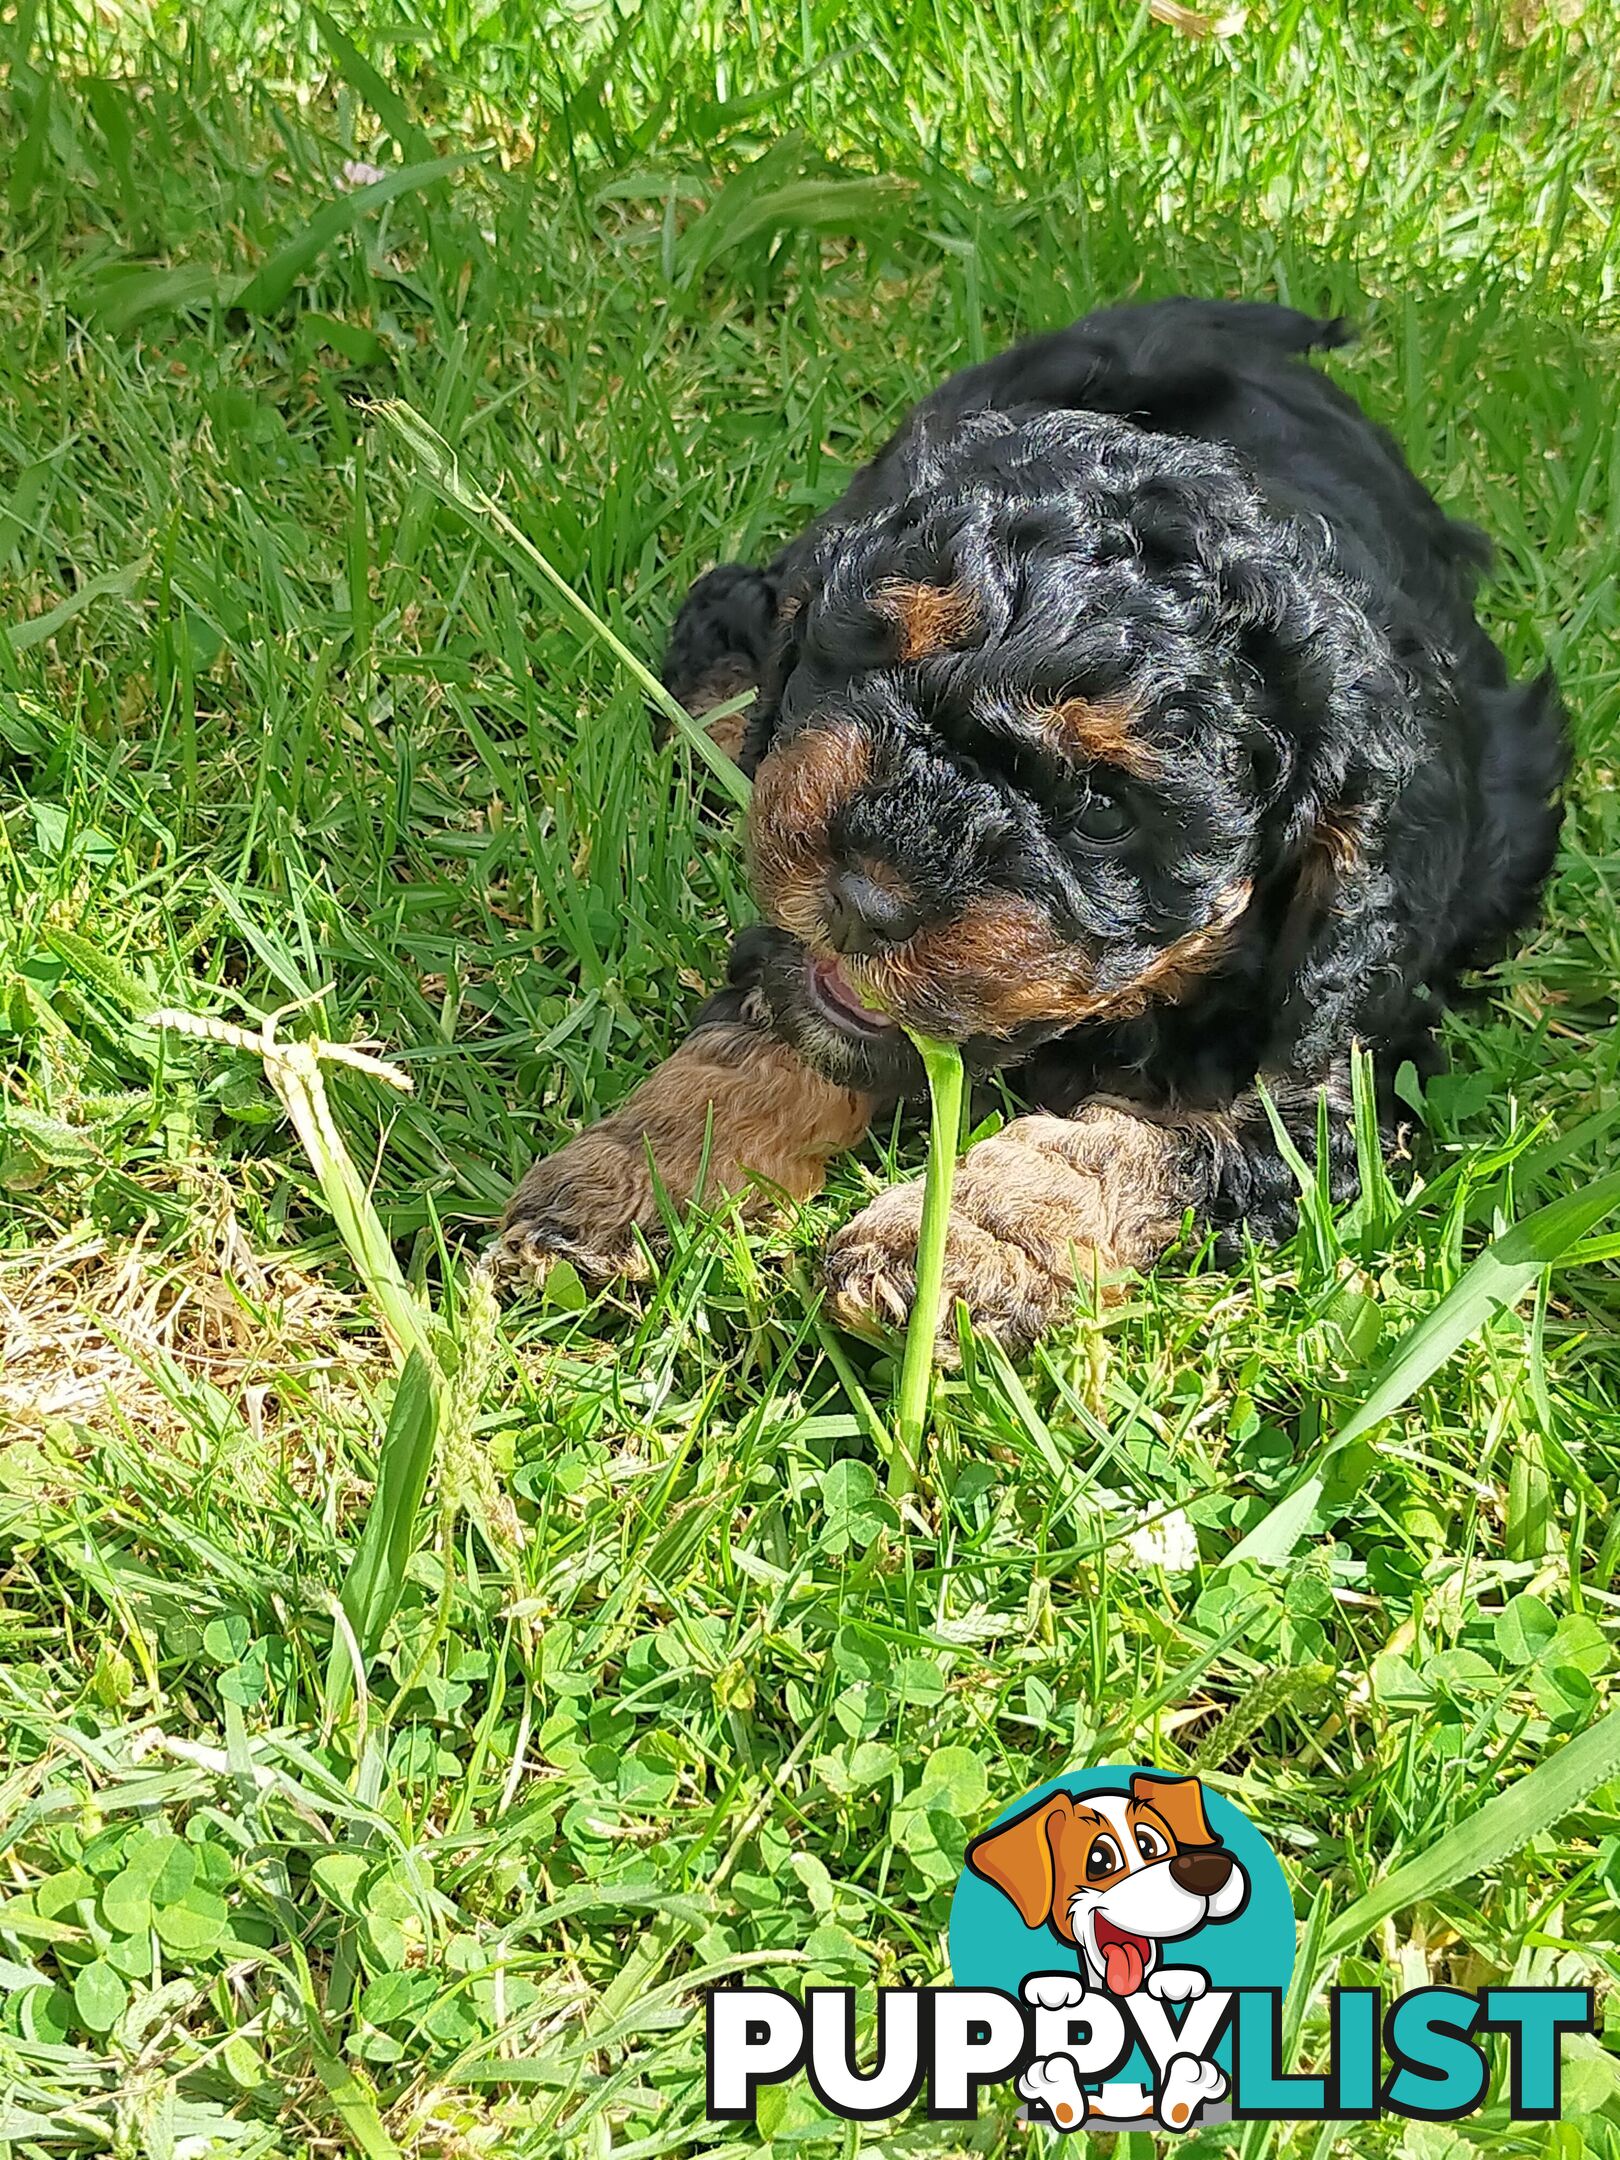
1018	1858
1180	1800
782	657
1322	863
1338	940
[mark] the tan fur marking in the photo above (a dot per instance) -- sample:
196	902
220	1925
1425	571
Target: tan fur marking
796	791
1102	732
1000	965
1172	973
728	734
930	618
1339	839
728	679
1331	856
776	1125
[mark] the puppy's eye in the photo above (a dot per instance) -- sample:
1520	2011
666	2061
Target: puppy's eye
1104	1858
1149	1843
1102	822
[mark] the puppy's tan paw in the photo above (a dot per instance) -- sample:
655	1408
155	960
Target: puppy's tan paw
1046	1202
583	1205
733	1111
871	1272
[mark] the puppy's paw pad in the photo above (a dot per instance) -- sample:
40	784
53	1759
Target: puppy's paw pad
1052	2082
1189	2084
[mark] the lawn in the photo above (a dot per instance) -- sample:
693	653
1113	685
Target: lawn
664	1678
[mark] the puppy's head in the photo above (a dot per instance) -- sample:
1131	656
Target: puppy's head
1116	1874
1040	725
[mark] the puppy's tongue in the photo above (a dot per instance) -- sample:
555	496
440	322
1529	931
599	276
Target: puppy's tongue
1123	1965
837	988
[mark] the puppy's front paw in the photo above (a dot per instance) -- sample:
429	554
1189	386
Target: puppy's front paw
1022	1218
733	1111
1054	1991
1046	1202
1051	2081
582	1204
1177	1983
1189	2084
871	1271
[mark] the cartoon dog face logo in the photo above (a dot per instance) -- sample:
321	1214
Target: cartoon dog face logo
1115	1874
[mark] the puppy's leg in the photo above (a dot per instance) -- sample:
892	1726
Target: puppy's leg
719	645
1250	1185
770	1125
1052	1201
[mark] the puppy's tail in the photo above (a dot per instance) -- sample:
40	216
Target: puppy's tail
1150	358
1256	322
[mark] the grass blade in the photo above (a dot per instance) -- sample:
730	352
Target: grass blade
111	978
371	1589
441	470
742	212
1530	1808
110	585
354	2106
269	286
376	1575
1505	1271
294	1071
123	296
364	80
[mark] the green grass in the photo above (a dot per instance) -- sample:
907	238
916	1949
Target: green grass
666	1685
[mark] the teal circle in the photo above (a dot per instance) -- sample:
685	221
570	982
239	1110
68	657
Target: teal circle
990	1947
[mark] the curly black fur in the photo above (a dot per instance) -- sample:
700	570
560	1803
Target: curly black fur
1162	510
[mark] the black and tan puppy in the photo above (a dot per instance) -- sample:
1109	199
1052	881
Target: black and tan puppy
1128	723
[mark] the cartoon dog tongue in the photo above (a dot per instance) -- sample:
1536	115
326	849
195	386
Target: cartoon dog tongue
1123	1964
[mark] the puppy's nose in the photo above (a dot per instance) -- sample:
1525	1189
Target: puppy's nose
1203	1873
864	916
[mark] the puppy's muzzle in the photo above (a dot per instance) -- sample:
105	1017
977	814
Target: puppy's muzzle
1201	1873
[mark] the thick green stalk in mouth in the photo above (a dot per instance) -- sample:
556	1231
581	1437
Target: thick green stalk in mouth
943	1064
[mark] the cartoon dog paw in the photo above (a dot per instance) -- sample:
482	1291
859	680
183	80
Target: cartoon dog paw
1054	1991
1053	2084
1177	1983
1188	2085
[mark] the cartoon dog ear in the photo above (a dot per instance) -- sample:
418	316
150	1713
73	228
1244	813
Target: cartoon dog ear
1180	1800
1018	1858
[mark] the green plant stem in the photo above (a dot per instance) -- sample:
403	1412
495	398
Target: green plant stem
943	1064
419	1416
